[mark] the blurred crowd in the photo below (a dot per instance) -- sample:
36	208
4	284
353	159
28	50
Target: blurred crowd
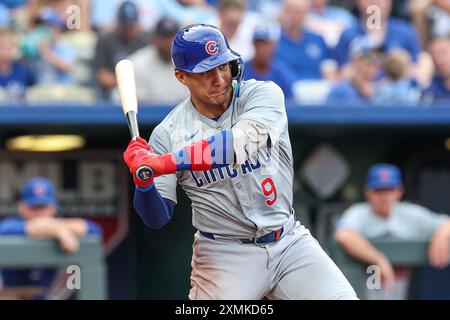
361	52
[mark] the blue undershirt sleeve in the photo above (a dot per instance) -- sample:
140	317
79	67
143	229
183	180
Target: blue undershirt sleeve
153	209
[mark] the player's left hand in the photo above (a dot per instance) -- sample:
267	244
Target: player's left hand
139	153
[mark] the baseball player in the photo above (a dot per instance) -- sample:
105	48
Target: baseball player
228	147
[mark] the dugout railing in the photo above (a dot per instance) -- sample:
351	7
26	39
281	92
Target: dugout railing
22	252
404	253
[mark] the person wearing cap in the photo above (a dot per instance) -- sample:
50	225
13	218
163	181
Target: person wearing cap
262	67
384	214
359	90
153	69
304	51
37	210
117	45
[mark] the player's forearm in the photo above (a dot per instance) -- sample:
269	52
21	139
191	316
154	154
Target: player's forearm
43	227
154	210
359	247
224	148
77	226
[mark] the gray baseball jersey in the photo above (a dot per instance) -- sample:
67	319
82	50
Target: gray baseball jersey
244	201
407	221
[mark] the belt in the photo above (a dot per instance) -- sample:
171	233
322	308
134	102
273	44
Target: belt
268	238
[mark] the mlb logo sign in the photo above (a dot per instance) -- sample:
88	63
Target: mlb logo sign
211	47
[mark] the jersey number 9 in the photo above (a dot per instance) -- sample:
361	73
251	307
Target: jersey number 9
269	191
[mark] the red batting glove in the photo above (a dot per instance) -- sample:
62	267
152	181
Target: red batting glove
139	153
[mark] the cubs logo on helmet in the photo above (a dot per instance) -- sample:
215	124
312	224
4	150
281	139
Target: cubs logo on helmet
212	47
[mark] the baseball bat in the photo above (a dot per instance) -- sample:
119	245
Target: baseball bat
128	99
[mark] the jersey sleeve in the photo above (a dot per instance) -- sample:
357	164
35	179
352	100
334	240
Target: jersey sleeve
265	104
351	219
12	227
165	184
425	221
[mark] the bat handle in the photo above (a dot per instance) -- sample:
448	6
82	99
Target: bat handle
144	173
132	124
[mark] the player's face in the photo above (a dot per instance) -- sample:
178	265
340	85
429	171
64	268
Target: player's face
383	200
211	88
30	212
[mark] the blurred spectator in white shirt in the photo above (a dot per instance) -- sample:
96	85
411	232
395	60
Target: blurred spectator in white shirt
154	72
431	18
114	46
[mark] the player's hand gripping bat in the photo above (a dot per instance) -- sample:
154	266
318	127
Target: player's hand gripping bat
128	99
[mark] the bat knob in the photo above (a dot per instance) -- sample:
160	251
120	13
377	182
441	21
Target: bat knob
144	173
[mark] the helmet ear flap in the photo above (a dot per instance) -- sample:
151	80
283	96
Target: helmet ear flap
234	66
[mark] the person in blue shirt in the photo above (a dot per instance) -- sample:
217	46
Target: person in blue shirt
397	87
329	21
37	210
262	66
392	33
15	76
366	64
439	90
302	50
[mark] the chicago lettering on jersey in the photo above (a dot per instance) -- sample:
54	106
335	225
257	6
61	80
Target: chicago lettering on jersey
203	178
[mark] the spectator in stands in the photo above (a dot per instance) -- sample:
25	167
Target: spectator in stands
61	7
329	21
238	25
439	90
187	12
103	14
117	45
384	215
302	50
390	32
397	88
56	57
269	9
366	63
262	66
15	76
37	211
155	80
431	18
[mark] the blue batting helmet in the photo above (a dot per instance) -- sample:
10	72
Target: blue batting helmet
201	47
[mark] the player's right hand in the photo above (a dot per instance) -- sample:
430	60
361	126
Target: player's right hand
137	154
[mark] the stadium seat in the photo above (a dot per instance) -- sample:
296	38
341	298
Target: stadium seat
60	93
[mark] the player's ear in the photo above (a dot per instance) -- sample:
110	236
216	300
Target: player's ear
180	76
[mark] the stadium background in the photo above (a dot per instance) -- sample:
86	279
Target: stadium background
146	264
